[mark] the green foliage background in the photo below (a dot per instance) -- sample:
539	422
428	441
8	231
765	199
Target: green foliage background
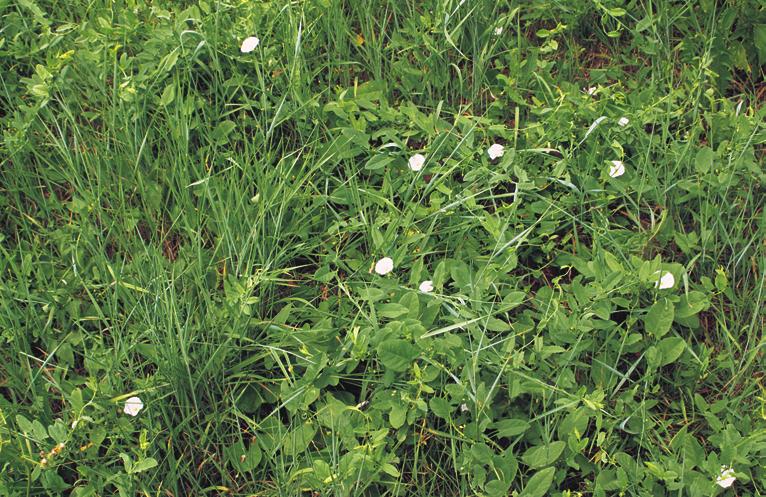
197	226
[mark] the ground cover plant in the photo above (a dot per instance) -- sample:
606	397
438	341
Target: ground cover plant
382	247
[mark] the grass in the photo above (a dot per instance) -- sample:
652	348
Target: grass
197	227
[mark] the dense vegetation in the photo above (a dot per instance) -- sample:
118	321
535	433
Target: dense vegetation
224	269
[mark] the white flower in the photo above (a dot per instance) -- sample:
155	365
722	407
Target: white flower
590	91
623	121
667	280
464	408
726	478
427	286
133	406
495	151
498	31
416	162
249	44
617	169
384	266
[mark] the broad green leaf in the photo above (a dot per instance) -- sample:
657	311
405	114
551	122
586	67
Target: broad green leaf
220	134
390	470
378	162
511	427
127	462
297	440
759	41
512	300
496	488
671	349
144	465
243	458
355	137
461	274
321	469
440	407
659	318
397	416
58	431
396	354
494	324
392	310
721	280
53	483
39	431
612	262
169	61
482	453
372	294
168	95
411	301
576	422
644	24
24	424
703	162
75	397
653	357
538	485
691	304
543	455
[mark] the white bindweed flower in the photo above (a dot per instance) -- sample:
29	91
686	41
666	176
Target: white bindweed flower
617	169
427	286
498	31
133	406
416	162
726	478
384	266
590	91
495	151
249	44
623	121
666	280
464	408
